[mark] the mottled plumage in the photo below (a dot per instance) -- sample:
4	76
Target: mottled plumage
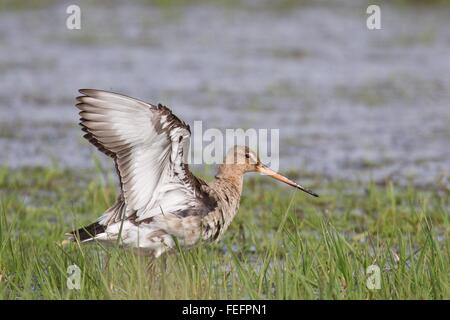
160	198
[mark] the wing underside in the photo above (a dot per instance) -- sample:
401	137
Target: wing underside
149	146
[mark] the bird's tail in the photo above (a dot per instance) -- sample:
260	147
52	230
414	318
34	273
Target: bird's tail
86	233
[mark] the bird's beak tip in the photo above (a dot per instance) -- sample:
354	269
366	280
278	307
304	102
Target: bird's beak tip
265	170
312	193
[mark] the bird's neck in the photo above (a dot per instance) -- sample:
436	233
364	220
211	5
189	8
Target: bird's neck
231	175
230	179
227	187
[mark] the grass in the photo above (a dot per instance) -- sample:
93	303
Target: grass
282	244
15	5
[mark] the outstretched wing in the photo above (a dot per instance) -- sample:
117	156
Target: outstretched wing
149	145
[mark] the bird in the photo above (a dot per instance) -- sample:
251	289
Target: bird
161	203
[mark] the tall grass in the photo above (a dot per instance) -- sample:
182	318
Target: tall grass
282	244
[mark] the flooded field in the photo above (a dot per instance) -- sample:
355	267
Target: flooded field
349	102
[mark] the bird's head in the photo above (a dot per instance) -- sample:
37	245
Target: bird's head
245	160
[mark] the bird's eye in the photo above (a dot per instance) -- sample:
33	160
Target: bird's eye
247	155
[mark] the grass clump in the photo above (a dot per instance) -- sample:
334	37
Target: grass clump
282	244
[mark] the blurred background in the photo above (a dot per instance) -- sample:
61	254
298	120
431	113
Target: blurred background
349	102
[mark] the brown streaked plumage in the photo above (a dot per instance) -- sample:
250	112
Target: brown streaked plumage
160	198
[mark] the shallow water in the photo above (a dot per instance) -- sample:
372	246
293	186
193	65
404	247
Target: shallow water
349	102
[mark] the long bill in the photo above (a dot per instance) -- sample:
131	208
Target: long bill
267	171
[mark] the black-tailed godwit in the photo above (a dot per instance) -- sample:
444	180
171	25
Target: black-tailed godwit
160	198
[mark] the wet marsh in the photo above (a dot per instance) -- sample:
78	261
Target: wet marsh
364	120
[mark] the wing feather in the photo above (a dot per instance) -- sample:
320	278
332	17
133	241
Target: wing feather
148	144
